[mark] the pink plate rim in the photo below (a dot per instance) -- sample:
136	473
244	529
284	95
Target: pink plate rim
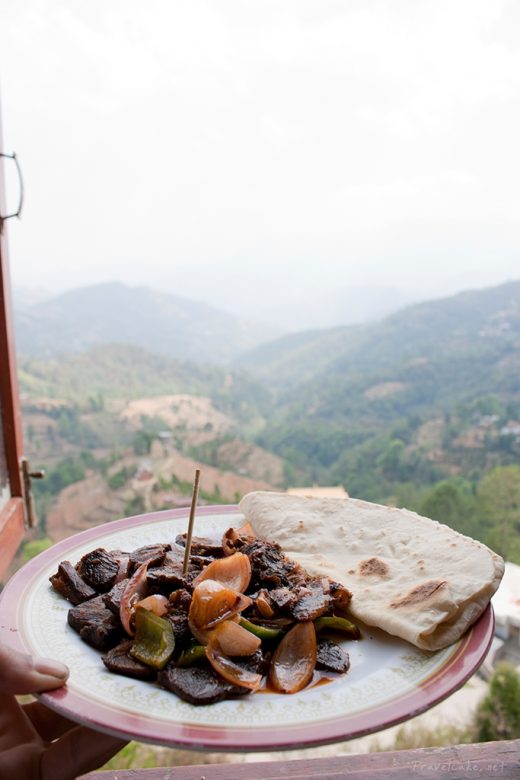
459	666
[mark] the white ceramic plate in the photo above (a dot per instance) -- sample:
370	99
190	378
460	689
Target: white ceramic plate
388	682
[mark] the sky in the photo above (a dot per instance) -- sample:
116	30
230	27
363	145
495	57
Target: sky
303	162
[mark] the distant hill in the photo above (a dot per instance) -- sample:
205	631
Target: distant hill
79	319
470	324
352	405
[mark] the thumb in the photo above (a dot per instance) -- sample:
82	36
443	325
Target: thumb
21	673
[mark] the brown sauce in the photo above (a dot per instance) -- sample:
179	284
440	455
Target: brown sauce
318	679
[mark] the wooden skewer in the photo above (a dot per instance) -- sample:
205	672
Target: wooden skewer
191	522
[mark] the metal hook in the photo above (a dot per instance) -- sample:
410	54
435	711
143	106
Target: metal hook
18	212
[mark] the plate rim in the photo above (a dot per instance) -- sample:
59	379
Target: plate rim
467	656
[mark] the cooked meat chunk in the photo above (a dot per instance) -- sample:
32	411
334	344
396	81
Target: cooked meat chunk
282	599
112	599
123	559
332	657
181	600
119	661
154	553
198	684
181	628
310	603
207	548
68	582
341	596
95	623
102	635
164	579
269	566
99	569
177	614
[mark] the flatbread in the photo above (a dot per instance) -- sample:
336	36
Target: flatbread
411	576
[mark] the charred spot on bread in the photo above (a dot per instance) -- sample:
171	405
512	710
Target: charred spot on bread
373	566
419	594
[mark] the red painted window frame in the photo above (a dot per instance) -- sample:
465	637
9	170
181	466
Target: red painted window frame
12	525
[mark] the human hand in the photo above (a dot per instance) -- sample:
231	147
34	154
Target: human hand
35	742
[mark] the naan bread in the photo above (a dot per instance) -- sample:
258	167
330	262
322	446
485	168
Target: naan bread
411	576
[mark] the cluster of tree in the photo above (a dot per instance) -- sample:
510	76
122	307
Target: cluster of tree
488	511
498	715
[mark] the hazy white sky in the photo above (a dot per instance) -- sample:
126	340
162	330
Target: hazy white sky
256	153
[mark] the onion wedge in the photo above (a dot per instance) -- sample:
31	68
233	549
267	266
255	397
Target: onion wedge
237	537
233	572
211	604
235	640
156	603
229	670
135	590
293	661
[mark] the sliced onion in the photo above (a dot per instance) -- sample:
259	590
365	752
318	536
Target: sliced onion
234	572
212	603
235	640
263	606
229	670
293	661
237	537
157	604
135	590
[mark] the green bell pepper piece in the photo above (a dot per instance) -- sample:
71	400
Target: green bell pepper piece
336	623
191	655
263	632
154	641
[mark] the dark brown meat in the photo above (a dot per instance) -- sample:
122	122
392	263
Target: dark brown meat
169	576
181	628
99	569
206	548
341	596
331	657
154	553
112	599
282	599
181	600
70	585
124	564
269	566
198	684
164	579
96	625
311	602
177	614
119	661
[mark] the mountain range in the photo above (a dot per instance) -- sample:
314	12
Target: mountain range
76	320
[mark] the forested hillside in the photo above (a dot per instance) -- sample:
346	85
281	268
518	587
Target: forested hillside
421	410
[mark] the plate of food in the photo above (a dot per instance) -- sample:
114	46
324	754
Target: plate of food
293	622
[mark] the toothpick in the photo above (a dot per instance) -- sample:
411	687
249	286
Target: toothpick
191	522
